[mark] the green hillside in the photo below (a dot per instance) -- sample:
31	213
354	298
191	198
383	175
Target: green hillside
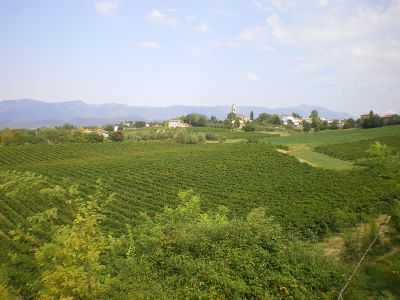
307	203
357	150
148	176
335	136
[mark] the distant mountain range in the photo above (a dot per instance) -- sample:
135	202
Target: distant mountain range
27	113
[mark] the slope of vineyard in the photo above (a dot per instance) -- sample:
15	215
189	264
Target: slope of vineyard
147	176
335	136
357	150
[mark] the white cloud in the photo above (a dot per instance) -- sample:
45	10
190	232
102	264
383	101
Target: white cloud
262	5
351	44
203	27
271	5
190	18
252	76
273	20
157	17
324	2
148	45
251	34
107	7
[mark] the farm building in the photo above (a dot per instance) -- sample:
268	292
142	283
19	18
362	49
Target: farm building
176	123
290	119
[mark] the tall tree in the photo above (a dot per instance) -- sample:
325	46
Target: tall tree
252	115
314	114
296	115
306	127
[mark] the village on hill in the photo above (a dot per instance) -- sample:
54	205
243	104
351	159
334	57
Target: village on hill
235	121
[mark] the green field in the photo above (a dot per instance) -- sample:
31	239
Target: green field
320	160
357	150
148	175
334	136
312	200
333	149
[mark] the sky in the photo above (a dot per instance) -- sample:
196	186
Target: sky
341	54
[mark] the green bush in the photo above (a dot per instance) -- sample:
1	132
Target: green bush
183	137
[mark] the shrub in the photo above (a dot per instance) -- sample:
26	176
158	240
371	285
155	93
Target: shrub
182	137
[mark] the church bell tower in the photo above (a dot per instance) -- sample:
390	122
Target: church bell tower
234	111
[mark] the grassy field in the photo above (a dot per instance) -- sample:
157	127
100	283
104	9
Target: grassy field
334	149
356	150
334	136
320	160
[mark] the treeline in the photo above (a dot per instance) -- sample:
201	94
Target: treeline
184	137
182	252
63	134
374	120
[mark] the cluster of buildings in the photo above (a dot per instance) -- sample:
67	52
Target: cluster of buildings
101	132
177	123
384	117
131	124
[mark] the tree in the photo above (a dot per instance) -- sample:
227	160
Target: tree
334	125
186	252
231	116
108	127
296	115
213	119
275	120
116	136
68	126
251	115
140	124
373	120
349	123
71	264
196	120
306	126
93	137
314	114
69	256
249	127
263	118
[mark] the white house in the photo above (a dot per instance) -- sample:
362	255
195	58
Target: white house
102	132
176	123
289	119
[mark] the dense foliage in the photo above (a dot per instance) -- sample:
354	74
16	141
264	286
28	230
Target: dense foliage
183	137
178	253
196	120
57	135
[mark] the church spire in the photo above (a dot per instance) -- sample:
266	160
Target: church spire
233	109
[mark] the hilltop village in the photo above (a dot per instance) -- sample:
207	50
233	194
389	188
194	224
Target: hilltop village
235	121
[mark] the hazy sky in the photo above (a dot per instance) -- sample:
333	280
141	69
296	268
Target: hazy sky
342	54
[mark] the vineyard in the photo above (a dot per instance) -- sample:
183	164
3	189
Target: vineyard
329	137
308	202
148	176
357	150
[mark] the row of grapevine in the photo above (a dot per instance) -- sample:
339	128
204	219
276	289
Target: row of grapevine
147	176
